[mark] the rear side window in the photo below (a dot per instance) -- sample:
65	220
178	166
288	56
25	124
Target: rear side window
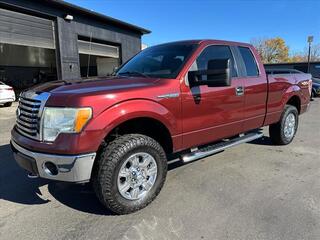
214	52
249	61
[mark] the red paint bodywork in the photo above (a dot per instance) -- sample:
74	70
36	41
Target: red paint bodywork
195	117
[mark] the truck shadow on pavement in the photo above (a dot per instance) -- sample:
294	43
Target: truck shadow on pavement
265	140
78	196
14	183
16	187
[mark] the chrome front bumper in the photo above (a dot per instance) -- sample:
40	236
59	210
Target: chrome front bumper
75	168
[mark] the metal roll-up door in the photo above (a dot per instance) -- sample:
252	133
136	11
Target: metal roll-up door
22	29
98	49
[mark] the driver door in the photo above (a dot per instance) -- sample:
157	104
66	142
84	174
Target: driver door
212	113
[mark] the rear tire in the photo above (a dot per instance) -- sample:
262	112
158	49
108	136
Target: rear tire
283	132
112	165
9	104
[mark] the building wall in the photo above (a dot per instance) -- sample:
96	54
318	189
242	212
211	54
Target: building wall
67	34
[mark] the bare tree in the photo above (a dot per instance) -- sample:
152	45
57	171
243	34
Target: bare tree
303	56
314	54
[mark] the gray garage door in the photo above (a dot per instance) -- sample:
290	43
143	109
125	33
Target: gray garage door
22	29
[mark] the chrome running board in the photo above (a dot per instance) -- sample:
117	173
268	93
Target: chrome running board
218	147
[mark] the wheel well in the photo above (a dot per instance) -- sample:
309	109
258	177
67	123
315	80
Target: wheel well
296	102
146	126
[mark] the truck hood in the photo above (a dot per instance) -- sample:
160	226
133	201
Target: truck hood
100	94
93	86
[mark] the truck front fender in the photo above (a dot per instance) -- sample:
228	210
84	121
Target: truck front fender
131	109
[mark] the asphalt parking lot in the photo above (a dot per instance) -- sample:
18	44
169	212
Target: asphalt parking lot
252	191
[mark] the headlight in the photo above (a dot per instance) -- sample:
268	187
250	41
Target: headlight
64	120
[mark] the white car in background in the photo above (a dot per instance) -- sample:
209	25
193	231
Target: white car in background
7	95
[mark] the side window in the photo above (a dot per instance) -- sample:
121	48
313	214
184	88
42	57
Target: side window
249	61
211	53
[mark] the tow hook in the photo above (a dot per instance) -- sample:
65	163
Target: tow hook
33	176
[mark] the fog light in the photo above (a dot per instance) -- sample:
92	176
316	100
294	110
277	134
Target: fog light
50	168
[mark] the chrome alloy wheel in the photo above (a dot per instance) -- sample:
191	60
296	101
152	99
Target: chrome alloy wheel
137	176
290	126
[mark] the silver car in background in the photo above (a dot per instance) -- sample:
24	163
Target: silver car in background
7	95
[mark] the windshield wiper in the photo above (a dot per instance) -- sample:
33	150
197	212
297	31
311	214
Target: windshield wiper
134	73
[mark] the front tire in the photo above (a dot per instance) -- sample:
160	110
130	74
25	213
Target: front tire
283	132
130	173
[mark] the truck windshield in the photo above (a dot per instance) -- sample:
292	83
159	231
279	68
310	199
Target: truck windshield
163	61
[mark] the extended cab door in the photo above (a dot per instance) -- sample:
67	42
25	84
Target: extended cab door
255	88
211	113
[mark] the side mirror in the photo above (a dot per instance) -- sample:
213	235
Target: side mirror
217	74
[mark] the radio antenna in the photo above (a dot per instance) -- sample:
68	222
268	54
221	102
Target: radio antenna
90	48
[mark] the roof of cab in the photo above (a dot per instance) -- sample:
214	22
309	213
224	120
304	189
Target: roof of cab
208	41
214	41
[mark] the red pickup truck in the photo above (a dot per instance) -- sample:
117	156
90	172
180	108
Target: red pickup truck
189	98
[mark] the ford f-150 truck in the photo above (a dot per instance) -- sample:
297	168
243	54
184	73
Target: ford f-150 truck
188	99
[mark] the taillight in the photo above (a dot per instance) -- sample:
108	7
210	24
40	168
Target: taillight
305	84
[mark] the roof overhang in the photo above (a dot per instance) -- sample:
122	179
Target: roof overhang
99	16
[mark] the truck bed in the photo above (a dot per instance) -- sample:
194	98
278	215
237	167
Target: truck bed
282	81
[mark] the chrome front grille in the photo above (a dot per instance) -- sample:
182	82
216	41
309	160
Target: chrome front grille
29	114
27	119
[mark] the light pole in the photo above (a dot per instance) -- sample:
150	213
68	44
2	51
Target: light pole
310	40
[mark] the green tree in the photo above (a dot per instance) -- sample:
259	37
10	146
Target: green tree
272	50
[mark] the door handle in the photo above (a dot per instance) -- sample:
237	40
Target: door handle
197	97
240	91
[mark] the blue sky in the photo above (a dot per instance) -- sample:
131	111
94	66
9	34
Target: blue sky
228	20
